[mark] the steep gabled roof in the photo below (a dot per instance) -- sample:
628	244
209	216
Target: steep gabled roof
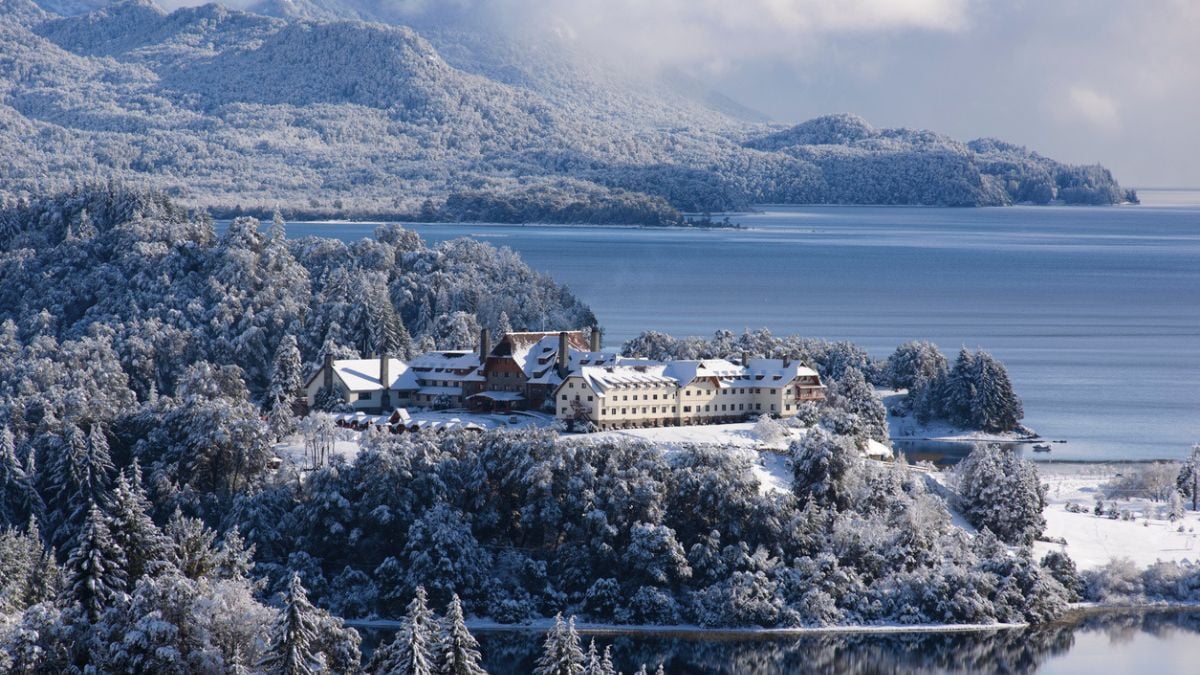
362	375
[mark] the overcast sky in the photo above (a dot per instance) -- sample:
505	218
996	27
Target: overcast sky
1110	81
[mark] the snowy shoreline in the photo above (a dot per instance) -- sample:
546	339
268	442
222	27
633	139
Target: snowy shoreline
543	625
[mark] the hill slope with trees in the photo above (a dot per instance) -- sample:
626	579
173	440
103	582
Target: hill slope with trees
223	108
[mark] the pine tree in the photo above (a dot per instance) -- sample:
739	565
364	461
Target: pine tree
46	578
96	573
593	663
132	528
606	663
285	372
503	325
994	405
18	498
561	654
409	653
959	391
79	478
291	650
236	559
458	651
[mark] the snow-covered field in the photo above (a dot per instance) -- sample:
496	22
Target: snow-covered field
1094	540
738	435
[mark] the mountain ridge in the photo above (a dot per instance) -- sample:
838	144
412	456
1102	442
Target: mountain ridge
223	108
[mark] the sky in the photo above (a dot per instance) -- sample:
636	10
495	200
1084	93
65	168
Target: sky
1084	81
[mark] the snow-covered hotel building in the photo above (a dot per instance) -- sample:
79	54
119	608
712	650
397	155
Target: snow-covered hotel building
637	393
568	374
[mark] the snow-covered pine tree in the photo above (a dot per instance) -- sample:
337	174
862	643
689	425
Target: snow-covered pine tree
96	575
131	526
410	652
191	546
457	649
821	464
596	664
18	498
994	407
286	372
561	653
291	649
856	396
236	559
503	324
606	662
959	392
1002	492
45	579
1176	507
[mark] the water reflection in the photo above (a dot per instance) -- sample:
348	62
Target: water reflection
1158	640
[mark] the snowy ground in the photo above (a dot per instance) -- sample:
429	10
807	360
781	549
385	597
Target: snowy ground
347	443
1094	540
739	435
907	428
769	459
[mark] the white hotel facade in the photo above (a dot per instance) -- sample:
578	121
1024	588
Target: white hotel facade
635	393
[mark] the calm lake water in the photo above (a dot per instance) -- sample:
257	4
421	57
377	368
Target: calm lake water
1096	311
1159	643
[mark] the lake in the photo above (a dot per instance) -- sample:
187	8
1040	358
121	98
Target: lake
1095	311
1162	642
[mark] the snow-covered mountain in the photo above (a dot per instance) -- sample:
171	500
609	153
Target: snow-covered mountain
223	107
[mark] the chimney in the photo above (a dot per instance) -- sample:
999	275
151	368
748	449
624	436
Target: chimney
385	396
328	368
787	360
564	357
485	345
595	346
745	359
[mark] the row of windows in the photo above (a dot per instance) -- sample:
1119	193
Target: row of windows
726	392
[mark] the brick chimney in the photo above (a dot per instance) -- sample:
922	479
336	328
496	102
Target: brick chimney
564	357
485	344
385	396
746	359
595	345
328	370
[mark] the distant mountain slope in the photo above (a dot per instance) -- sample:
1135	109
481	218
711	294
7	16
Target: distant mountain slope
222	108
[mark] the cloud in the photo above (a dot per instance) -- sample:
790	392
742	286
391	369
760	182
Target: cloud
717	34
1084	103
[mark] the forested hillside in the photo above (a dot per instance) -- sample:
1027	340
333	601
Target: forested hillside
222	108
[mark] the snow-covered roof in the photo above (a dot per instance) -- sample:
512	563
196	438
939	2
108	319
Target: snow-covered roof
535	353
362	375
625	372
546	373
686	372
458	365
643	373
777	369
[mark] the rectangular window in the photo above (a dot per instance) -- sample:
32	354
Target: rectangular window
687	408
564	397
772	391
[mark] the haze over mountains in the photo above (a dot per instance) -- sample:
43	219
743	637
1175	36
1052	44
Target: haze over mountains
321	112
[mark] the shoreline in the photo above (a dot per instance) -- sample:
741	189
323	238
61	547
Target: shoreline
1074	613
684	630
